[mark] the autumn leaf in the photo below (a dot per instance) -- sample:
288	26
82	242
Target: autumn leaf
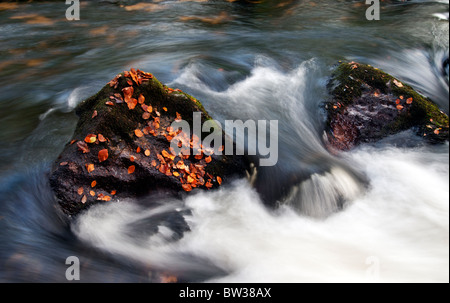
92	193
153	163
72	142
398	83
138	133
106	198
101	138
165	109
409	101
147	152
397	101
176	174
436	132
109	103
141	99
208	159
132	103
94	183
64	163
113	192
80	191
187	187
94	114
90	167
138	150
132	158
131	169
400	107
146	116
91	138
219	180
84	199
103	155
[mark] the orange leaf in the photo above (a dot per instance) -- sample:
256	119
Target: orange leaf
147	152
63	163
141	99
101	138
397	101
103	155
90	167
132	158
91	138
436	132
106	198
138	133
138	150
84	199
92	193
398	83
153	163
109	103
146	115
208	159
187	187
94	114
400	107
131	169
94	183
149	108
113	192
80	191
165	109
409	101
132	103
72	142
219	180
176	174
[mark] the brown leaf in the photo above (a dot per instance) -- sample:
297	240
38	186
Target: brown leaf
84	199
400	107
146	116
101	138
94	114
187	187
90	167
208	159
138	133
103	155
141	99
132	103
80	191
409	101
91	138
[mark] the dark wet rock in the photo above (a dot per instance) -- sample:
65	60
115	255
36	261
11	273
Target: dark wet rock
137	164
368	105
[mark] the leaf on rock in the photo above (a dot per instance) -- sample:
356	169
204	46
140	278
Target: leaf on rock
103	155
91	138
131	169
138	133
90	167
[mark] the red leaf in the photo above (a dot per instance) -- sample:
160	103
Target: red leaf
103	155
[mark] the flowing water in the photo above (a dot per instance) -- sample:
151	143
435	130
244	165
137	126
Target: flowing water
379	213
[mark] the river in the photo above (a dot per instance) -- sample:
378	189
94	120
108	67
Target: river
379	213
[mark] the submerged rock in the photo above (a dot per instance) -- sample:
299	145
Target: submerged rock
121	147
368	104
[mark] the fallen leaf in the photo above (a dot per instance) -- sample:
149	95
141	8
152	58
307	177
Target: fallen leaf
146	116
165	109
80	191
92	193
153	163
101	138
141	99
409	101
138	133
187	187
132	158
91	138
138	150
436	132
398	83
147	152
400	107
72	142
219	180
103	155
63	163
208	159
109	103
132	104
131	169
84	199
90	167
113	192
94	114
176	174
397	101
94	183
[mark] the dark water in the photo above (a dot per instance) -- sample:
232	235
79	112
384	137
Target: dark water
243	61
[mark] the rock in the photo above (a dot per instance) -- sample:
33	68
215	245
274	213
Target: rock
121	147
368	104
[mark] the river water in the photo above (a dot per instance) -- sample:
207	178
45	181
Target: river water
379	213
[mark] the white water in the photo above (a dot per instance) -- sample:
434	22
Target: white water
396	230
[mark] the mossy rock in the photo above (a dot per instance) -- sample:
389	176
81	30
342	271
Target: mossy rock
368	104
136	135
